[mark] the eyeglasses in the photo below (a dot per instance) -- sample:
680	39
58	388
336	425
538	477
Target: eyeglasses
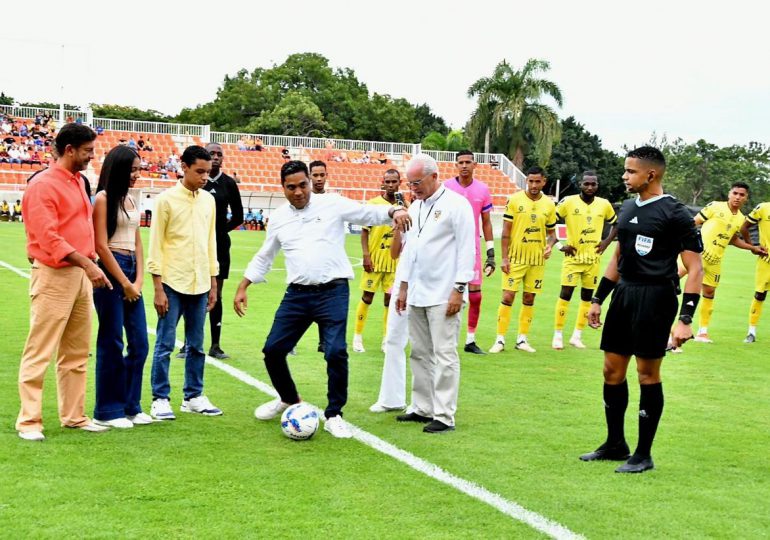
416	183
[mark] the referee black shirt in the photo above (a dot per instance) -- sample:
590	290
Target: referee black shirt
651	234
226	193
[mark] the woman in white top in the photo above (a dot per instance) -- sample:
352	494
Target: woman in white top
119	246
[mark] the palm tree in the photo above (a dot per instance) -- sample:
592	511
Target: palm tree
510	112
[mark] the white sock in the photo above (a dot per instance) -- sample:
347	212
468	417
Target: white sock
753	330
471	337
500	338
557	334
358	337
522	337
703	330
577	334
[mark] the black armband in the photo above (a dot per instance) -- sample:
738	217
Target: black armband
604	289
689	303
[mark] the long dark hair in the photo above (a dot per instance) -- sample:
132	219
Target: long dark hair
114	180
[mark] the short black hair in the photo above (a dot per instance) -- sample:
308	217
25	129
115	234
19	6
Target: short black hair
743	185
193	153
588	173
536	170
316	163
292	167
74	135
464	153
393	171
648	153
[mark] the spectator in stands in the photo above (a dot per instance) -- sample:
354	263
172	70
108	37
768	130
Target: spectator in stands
99	130
329	151
153	170
147	205
14	154
131	143
148	146
35	158
24	156
4	157
122	141
140	143
258	144
23	131
249	220
5	127
493	163
382	158
242	146
5	211
144	164
9	141
285	154
259	219
38	118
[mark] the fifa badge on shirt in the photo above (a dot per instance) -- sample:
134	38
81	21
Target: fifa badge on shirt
643	244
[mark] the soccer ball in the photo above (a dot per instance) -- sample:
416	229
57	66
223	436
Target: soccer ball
299	421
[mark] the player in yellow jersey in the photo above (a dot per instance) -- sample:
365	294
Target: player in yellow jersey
760	217
527	239
585	215
720	223
379	265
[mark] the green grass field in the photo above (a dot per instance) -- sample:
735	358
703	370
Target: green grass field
522	421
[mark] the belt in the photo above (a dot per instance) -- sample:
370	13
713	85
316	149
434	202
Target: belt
319	287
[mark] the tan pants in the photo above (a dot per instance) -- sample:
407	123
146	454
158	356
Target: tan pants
61	300
435	362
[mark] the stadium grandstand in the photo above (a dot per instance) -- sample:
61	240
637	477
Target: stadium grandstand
355	167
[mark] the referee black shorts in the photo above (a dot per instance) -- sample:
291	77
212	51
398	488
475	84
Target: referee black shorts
223	256
639	319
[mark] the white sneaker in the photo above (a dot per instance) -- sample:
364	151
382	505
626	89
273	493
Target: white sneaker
524	346
32	435
119	423
377	408
499	346
676	350
338	427
200	405
557	343
141	419
576	342
271	409
161	410
92	427
384	341
703	338
358	344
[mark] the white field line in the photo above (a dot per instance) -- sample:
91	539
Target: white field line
480	493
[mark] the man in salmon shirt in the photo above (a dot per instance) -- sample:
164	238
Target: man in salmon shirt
60	241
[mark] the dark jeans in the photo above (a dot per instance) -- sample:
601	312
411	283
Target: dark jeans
301	306
193	308
118	377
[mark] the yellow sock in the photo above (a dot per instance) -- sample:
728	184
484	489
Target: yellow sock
582	316
561	314
362	311
525	319
503	319
755	312
706	309
385	319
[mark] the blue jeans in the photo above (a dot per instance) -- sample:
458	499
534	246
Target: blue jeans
301	306
118	377
193	308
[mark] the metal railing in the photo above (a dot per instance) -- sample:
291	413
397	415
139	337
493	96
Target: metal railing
499	160
30	112
346	145
161	128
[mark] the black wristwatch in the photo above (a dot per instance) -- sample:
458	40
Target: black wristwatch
460	287
686	319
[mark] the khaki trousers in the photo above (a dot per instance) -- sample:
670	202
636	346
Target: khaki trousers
61	301
435	362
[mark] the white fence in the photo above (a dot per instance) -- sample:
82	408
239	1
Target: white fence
161	128
30	112
392	148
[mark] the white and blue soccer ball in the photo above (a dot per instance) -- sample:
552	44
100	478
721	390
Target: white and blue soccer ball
299	421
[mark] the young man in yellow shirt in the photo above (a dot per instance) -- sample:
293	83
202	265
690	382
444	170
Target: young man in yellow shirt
760	217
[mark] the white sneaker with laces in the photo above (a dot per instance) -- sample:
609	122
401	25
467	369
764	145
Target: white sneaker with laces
557	343
271	409
92	427
141	419
499	346
32	435
524	346
577	342
338	427
119	423
703	338
358	344
161	410
200	405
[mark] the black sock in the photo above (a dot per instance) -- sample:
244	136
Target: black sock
650	411
215	319
615	405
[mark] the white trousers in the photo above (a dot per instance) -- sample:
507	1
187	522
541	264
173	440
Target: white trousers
435	362
393	384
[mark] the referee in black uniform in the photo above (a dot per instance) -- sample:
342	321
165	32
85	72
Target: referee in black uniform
653	230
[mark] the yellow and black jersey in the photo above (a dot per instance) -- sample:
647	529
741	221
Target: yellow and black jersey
530	221
719	226
585	223
760	216
380	238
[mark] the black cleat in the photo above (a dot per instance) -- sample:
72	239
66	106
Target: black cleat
437	427
636	465
616	452
219	354
751	338
413	417
473	348
321	347
182	353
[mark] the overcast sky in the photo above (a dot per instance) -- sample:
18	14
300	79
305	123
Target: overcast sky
687	69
